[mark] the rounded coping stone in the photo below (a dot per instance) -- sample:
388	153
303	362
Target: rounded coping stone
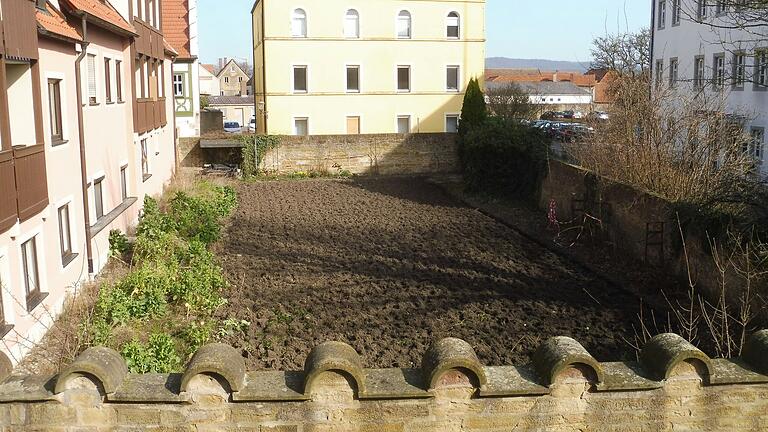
756	352
105	364
333	356
664	352
448	354
6	366
216	359
558	354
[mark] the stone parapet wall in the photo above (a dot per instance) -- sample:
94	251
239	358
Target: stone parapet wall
383	154
673	386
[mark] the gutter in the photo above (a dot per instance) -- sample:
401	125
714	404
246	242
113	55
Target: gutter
83	164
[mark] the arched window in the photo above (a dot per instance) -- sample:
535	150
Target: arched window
299	23
404	25
452	25
352	24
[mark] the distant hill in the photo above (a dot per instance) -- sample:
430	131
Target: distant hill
510	63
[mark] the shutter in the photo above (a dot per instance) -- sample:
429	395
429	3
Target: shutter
91	76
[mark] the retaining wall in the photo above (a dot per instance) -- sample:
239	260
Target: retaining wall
674	386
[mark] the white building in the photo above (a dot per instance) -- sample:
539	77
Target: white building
180	30
555	96
209	82
695	46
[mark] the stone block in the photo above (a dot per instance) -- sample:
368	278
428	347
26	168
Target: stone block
451	354
662	354
219	360
104	364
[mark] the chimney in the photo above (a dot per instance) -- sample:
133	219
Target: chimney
555	78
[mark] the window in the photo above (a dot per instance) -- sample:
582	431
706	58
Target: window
31	273
761	68
698	72
701	9
239	79
301	126
452	26
353	79
659	72
108	79
353	125
98	197
676	11
178	85
452	78
662	14
145	160
721	7
54	108
119	80
718	77
403	124
65	235
451	123
352	24
403	78
755	147
404	25
124	182
226	80
739	70
299	23
673	66
91	65
299	79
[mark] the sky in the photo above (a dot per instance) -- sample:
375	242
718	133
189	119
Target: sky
543	29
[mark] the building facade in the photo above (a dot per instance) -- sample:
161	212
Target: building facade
350	67
84	136
209	83
181	33
233	81
234	108
696	48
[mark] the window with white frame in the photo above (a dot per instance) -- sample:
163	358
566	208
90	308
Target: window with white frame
98	197
453	26
31	272
718	70
761	68
662	14
754	149
299	23
145	160
353	79
300	79
404	24
178	85
403	79
676	11
108	80
352	24
721	6
301	126
659	72
739	69
65	235
54	111
452	123
673	67
404	124
701	9
124	182
452	78
92	87
699	71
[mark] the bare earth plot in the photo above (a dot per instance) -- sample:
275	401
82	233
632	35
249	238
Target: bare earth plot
389	265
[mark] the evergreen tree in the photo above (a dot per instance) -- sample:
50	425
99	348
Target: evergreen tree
473	113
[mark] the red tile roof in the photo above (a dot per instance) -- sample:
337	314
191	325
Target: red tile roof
176	26
169	49
534	75
102	10
52	21
210	68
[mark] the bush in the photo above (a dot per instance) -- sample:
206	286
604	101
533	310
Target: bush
118	243
501	157
156	356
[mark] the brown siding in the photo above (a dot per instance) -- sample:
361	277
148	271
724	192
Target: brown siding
31	180
20	28
8	209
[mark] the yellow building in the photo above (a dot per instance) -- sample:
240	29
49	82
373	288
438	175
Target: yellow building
364	66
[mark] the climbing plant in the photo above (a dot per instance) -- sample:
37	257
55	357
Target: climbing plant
255	149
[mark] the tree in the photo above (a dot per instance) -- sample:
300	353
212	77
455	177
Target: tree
511	102
627	54
474	111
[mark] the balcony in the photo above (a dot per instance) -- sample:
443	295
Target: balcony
20	29
149	42
9	212
151	115
23	184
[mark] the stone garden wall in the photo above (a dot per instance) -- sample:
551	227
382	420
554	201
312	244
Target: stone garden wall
674	386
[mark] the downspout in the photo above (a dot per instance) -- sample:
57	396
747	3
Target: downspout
652	60
264	64
173	112
81	134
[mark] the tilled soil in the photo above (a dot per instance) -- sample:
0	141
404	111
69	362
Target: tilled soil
389	265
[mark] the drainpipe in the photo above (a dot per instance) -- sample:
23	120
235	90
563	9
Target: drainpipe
80	125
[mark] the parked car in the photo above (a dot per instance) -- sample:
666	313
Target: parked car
552	115
598	115
252	125
232	127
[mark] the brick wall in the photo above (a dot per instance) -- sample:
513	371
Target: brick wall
673	386
365	154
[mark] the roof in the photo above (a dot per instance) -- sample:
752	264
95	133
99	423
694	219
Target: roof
535	75
169	49
52	21
103	11
176	26
226	67
210	68
230	100
544	88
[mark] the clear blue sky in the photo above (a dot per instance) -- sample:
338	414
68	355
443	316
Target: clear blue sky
543	29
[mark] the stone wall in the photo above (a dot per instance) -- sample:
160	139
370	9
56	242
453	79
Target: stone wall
365	154
673	386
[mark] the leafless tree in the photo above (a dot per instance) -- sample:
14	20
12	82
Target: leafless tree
627	54
511	102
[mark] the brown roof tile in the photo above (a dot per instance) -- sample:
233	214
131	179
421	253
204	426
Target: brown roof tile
210	68
51	20
102	10
176	26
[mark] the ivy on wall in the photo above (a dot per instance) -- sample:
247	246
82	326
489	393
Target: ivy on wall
254	150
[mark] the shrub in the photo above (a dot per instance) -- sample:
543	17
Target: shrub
255	147
501	157
118	243
156	356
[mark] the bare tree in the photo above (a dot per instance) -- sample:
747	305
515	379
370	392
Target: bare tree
511	102
627	54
